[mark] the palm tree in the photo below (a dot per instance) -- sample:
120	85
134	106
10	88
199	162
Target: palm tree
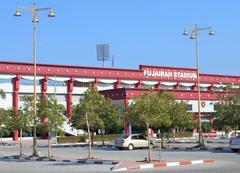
2	94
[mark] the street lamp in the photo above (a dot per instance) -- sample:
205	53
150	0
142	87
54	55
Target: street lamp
195	35
34	12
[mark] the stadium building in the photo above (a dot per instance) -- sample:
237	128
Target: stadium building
68	83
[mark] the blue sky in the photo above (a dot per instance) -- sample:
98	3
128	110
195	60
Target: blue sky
138	32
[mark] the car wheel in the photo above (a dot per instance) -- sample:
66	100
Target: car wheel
130	147
235	150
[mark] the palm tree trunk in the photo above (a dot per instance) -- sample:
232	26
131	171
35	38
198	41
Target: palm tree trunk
21	153
49	144
89	138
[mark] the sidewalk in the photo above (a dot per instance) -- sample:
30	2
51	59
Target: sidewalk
129	165
117	165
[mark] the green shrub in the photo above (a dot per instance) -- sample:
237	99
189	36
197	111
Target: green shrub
96	138
178	135
71	139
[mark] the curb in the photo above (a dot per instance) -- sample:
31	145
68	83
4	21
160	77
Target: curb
162	164
17	158
78	145
196	149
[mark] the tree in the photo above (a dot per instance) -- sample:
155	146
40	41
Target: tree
110	116
4	119
20	121
2	94
24	117
180	118
54	114
228	111
87	113
151	110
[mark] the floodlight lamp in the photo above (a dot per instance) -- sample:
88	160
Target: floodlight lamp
185	33
51	13
193	36
17	13
211	32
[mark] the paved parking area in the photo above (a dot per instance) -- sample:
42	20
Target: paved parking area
224	159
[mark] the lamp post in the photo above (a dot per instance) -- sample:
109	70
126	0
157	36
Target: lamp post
34	10
195	35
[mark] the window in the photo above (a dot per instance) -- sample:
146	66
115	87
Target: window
141	137
134	137
189	107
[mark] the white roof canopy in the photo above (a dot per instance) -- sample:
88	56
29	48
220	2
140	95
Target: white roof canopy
169	83
85	80
108	80
7	76
150	82
130	82
60	79
32	77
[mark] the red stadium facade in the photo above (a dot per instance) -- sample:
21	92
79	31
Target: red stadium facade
121	85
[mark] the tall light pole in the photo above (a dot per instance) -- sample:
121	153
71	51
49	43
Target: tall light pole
34	12
195	35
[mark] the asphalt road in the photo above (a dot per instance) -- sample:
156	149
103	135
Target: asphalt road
225	161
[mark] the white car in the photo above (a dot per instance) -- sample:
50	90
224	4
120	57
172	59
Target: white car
234	143
133	141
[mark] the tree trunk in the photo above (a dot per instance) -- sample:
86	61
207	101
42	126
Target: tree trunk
49	144
103	143
89	138
1	138
21	153
149	147
174	134
162	137
222	132
92	135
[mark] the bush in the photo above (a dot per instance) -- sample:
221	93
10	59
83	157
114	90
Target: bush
71	139
96	138
178	135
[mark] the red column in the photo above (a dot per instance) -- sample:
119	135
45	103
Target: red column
16	85
138	85
44	94
158	85
194	87
44	87
96	82
176	86
211	87
117	84
126	126
69	97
